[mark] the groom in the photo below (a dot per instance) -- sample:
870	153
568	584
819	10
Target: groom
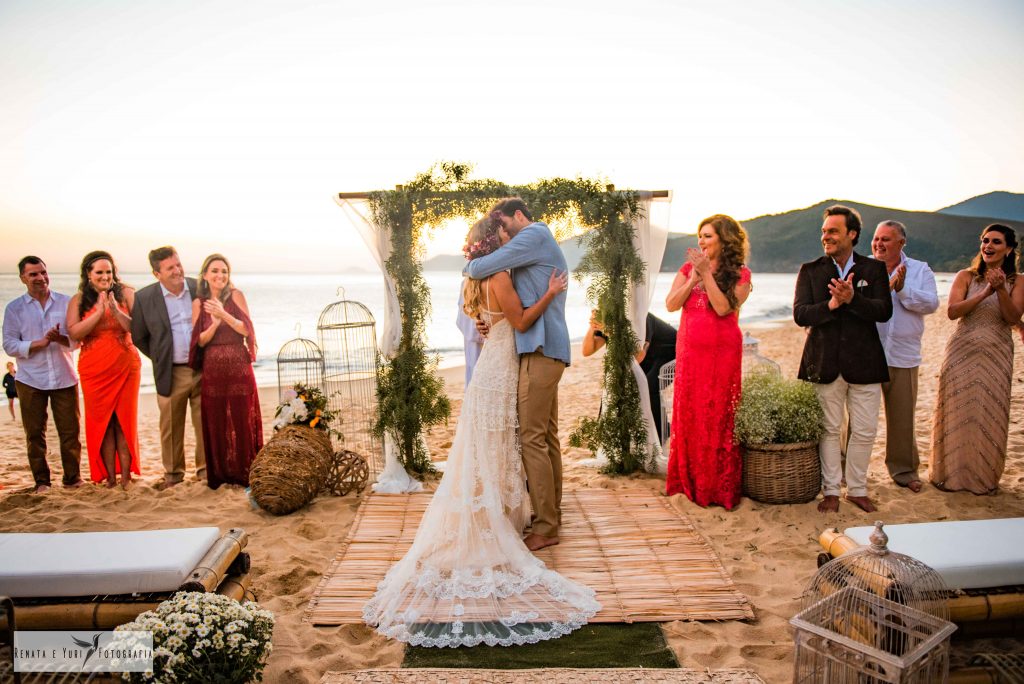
543	356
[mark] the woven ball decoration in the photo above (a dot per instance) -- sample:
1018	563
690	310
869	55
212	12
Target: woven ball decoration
348	472
290	469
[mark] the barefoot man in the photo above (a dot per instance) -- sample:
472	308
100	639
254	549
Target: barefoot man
543	356
914	296
839	298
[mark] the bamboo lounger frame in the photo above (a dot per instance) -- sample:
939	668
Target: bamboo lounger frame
644	559
224	568
976	605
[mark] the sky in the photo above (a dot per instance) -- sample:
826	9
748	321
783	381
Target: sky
229	126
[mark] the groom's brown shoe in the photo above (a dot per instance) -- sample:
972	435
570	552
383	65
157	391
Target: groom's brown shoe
536	542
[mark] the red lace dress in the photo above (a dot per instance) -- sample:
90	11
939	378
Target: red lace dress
232	426
703	462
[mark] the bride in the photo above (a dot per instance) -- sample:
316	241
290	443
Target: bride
468	577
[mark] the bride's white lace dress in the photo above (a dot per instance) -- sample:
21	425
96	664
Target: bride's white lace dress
468	578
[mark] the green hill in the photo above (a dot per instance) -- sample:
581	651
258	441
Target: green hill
1008	206
779	243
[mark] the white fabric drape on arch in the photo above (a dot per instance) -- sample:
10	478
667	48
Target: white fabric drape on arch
649	239
393	479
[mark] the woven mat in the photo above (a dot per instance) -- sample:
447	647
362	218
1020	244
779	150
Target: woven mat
545	676
645	560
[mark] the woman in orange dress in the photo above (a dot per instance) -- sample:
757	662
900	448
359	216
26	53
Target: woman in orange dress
99	317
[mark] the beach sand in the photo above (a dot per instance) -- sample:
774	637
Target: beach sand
769	551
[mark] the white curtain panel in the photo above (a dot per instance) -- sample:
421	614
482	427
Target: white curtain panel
393	479
649	239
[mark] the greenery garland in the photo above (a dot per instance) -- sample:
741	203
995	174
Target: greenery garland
410	393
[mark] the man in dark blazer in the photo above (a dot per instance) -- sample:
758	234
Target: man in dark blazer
162	330
839	298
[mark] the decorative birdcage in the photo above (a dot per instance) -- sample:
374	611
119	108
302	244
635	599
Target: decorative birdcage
299	360
666	389
752	359
348	338
873	615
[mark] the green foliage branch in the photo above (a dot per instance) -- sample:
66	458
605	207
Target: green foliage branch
410	393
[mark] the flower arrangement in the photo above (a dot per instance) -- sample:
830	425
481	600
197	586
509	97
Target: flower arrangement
776	410
304	405
200	637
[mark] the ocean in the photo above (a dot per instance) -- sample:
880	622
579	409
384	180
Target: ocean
288	305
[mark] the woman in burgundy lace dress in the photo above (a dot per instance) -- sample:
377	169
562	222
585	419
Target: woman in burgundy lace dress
224	347
703	462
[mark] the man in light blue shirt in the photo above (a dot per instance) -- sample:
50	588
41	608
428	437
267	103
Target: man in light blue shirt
544	353
35	332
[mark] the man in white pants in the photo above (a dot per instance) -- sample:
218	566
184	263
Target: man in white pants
840	297
914	296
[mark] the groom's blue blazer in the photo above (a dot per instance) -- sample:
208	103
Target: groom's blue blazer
531	255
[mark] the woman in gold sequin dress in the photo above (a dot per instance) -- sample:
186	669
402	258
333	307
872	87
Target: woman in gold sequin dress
972	412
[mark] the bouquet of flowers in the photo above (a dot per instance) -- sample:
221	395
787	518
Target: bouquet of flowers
200	637
304	405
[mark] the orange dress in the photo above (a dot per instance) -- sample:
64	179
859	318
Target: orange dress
109	371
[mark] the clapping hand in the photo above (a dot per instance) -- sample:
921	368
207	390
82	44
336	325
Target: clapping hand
995	278
53	334
897	278
558	282
841	290
215	308
699	261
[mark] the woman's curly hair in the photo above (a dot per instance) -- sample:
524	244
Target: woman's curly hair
733	255
481	240
88	293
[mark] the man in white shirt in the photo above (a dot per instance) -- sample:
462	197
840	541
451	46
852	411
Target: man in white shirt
162	330
914	296
35	332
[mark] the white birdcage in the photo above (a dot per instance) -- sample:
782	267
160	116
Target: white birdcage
666	389
299	360
752	359
873	615
348	339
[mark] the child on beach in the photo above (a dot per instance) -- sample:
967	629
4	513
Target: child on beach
9	388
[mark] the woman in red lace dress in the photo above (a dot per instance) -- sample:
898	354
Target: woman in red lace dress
703	462
99	316
224	347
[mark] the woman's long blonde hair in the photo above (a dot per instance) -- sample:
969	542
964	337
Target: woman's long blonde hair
481	240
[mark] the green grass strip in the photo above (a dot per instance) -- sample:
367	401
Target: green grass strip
640	644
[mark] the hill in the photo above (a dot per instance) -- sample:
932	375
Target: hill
779	243
1008	206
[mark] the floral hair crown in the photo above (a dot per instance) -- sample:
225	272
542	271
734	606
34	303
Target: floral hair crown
488	243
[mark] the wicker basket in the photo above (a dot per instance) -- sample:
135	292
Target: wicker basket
782	473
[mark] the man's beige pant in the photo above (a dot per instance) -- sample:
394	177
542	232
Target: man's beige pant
862	402
185	391
538	433
900	395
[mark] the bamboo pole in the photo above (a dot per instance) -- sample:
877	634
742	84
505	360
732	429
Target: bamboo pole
208	574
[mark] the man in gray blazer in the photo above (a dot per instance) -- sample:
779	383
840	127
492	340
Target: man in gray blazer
162	330
543	356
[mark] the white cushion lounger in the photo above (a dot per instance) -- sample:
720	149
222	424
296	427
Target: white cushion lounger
969	554
100	563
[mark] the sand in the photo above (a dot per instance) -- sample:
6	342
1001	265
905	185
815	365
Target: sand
769	551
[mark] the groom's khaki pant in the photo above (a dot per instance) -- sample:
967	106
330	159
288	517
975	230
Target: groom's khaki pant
538	434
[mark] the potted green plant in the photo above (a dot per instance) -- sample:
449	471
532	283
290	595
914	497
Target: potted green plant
778	423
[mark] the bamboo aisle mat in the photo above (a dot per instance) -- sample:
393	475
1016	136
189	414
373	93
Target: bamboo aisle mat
645	560
544	676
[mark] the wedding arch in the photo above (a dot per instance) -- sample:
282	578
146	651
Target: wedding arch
620	241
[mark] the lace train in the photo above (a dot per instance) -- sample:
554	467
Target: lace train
468	578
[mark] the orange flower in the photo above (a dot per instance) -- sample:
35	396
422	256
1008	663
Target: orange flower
313	422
